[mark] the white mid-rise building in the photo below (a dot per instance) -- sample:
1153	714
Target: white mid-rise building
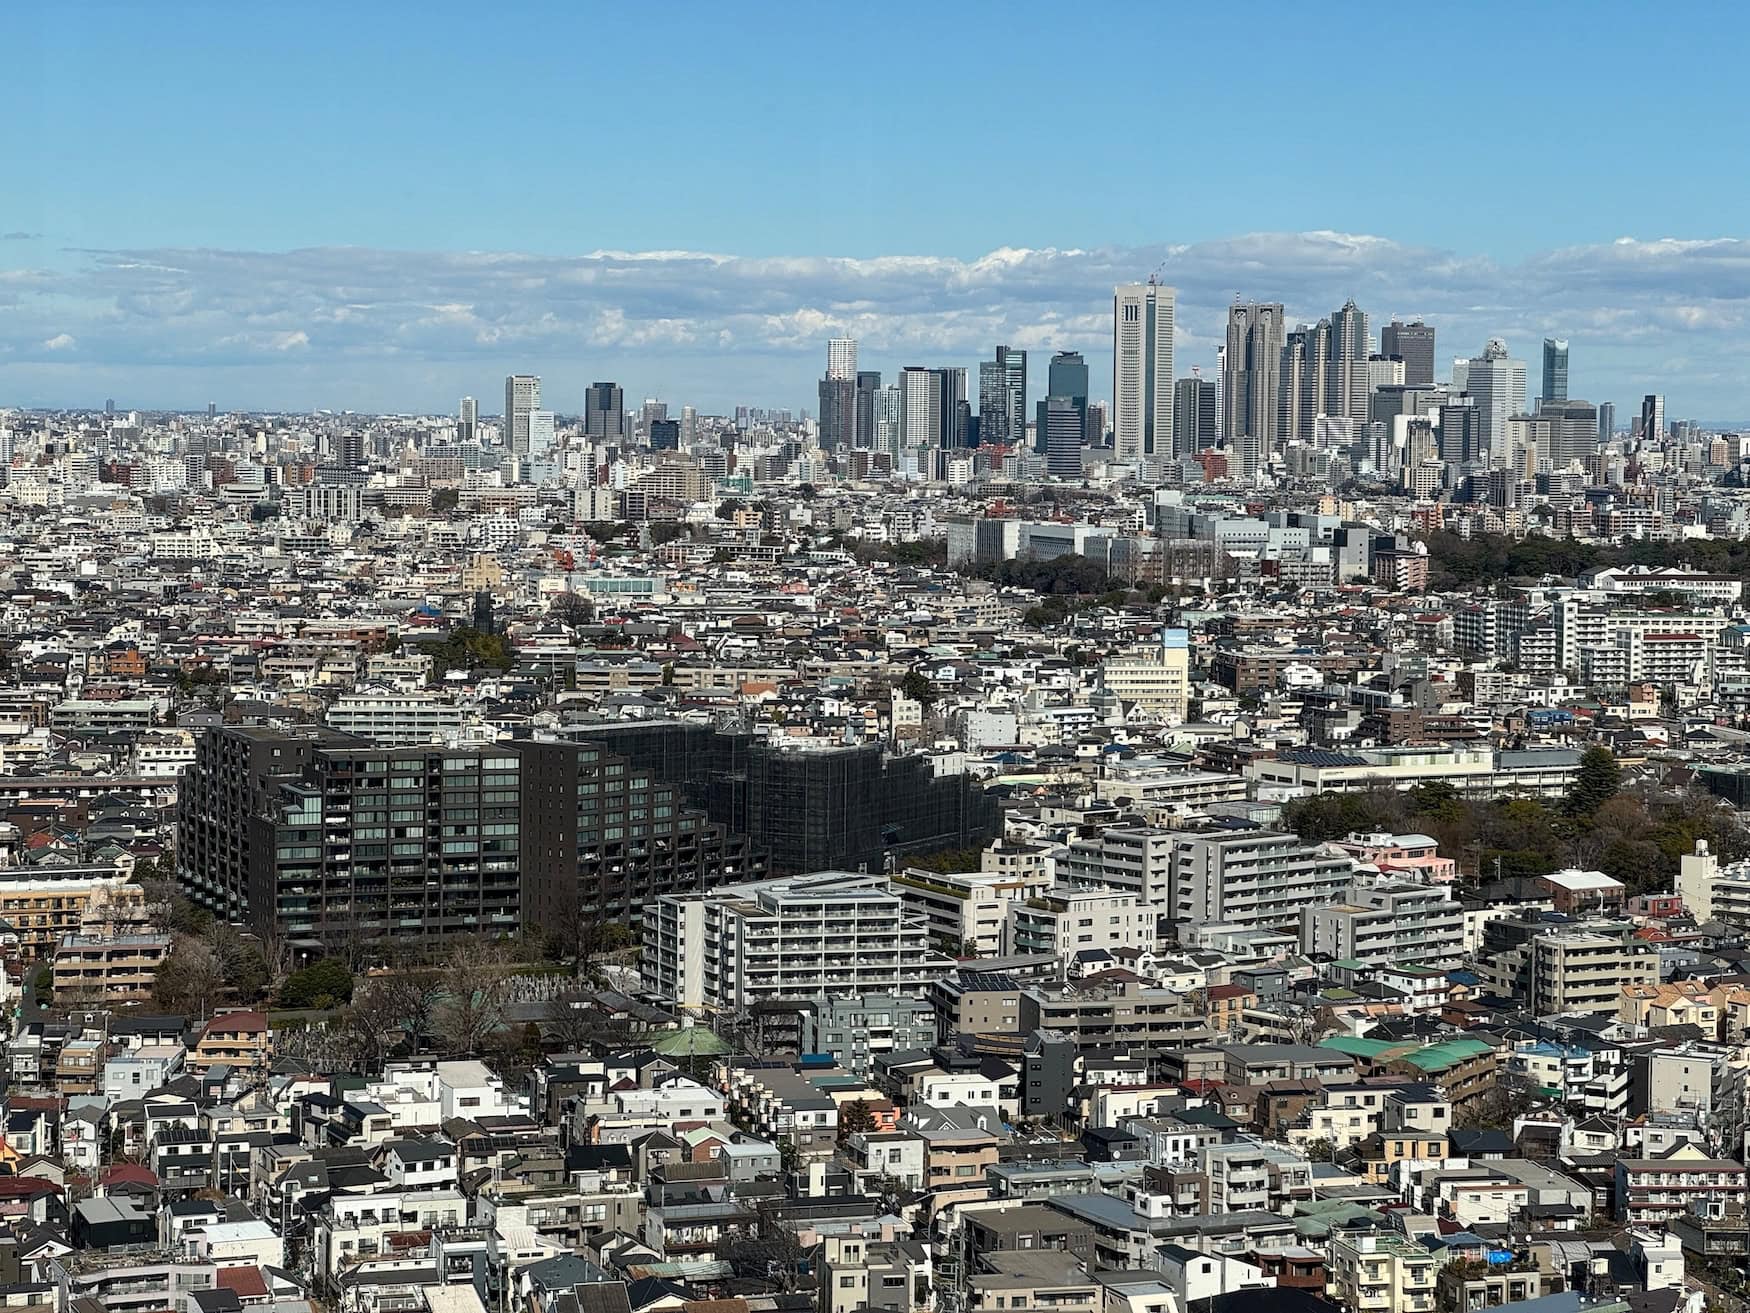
834	932
1155	679
399	719
1391	921
1254	877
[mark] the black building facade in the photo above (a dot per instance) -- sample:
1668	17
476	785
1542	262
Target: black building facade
603	835
810	809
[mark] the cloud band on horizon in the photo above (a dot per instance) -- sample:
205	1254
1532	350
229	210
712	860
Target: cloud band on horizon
374	329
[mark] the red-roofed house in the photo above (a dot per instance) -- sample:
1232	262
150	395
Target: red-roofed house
247	1283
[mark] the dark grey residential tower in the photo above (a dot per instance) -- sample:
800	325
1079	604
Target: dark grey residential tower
1555	370
863	430
1002	397
1414	342
838	413
1194	414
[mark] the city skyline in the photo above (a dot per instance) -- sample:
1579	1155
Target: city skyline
401	332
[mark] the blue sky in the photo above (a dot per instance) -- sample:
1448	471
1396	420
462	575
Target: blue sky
385	205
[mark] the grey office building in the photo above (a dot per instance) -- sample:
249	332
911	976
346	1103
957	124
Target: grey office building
1460	433
1573	431
1061	425
1065	377
1606	420
604	411
1414	343
1251	365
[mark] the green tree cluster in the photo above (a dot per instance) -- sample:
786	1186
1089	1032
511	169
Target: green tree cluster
1635	836
323	984
467	648
1454	561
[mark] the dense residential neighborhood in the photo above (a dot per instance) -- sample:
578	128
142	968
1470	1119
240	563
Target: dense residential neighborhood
739	863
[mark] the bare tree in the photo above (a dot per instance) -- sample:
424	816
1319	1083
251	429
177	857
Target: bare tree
475	996
362	1029
190	980
412	997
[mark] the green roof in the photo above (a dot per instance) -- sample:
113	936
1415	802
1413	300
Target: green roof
1358	1047
1318	1226
836	1080
1447	1053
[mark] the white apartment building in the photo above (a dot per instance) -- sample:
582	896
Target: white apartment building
324	501
399	719
1156	679
1253	878
1378	923
968	908
1136	860
1065	922
1165	783
1584	622
164	754
1255	1174
834	932
1479	772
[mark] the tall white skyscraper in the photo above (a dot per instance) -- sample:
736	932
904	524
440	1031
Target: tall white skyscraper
1142	371
522	394
466	416
841	358
920	412
1497	382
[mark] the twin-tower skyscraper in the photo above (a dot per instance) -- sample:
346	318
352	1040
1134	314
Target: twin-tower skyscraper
1142	372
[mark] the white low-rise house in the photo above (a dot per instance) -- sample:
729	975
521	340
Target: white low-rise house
944	1089
132	1072
420	1164
234	1244
472	1089
676	1099
351	1227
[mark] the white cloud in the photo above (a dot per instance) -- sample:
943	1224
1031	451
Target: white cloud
392	329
